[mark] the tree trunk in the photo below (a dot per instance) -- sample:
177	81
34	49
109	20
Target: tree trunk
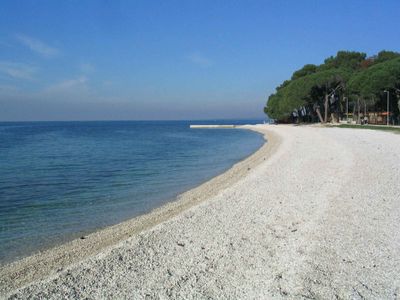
319	115
326	108
334	118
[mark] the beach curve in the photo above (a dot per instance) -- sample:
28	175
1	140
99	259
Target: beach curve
50	262
317	219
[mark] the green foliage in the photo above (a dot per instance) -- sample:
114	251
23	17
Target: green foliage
344	59
350	73
375	79
371	127
277	108
386	55
306	70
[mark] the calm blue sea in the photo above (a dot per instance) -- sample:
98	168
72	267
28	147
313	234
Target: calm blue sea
59	180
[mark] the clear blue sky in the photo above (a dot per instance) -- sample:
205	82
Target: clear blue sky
88	60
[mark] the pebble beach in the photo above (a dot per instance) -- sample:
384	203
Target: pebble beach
313	214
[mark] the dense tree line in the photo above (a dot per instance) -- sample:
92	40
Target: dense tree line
348	81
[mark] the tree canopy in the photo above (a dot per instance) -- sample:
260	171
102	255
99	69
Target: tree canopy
378	77
324	86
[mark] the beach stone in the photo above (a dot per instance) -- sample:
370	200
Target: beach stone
346	243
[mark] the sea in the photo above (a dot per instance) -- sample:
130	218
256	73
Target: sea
62	180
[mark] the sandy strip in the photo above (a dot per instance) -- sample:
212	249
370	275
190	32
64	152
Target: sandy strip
317	219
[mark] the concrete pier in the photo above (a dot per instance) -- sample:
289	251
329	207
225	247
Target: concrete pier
213	126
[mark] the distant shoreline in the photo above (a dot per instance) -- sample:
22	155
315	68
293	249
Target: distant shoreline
49	262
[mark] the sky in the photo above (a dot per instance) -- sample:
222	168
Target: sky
166	60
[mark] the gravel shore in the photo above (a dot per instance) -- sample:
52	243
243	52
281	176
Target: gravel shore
313	214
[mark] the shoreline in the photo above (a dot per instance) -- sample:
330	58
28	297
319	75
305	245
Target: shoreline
288	228
163	199
51	261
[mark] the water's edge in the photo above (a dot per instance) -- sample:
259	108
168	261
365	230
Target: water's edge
67	191
83	234
48	261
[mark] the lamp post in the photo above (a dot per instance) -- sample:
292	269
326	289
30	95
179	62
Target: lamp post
347	109
387	104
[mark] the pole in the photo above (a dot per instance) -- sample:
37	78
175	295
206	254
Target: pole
387	103
347	110
388	108
365	112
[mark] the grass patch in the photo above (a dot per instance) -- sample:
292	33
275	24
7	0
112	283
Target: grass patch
372	127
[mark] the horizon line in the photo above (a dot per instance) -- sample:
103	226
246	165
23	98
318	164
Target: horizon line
133	120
